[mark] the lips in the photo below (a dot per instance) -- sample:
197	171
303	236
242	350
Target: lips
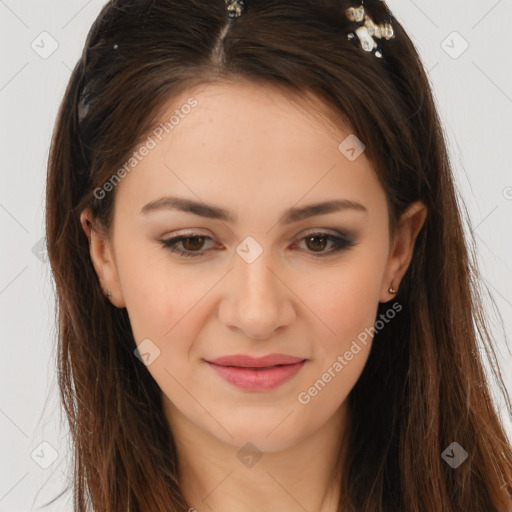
256	362
257	373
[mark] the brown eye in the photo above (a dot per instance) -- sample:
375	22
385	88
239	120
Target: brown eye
192	244
316	243
313	244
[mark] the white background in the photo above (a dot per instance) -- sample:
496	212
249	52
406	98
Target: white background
474	96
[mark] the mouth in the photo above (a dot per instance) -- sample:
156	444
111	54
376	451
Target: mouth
246	361
257	374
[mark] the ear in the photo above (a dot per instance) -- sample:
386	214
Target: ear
402	248
102	257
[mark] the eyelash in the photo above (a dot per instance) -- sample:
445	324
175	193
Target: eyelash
340	243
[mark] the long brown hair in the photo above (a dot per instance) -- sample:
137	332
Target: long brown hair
423	386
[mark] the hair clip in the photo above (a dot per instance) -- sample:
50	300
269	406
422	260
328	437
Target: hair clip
235	8
368	30
83	105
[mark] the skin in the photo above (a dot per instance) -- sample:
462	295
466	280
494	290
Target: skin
250	149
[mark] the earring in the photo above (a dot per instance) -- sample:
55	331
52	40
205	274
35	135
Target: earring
107	293
392	290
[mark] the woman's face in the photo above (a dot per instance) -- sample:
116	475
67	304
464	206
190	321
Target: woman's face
264	271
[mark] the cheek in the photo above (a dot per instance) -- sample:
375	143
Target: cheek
347	301
348	306
157	297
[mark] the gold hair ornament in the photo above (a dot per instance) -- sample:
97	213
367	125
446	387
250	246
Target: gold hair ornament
368	32
235	8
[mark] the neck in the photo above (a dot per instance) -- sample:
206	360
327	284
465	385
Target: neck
215	476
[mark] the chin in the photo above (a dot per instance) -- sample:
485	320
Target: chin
269	433
247	439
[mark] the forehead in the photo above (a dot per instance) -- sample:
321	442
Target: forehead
264	110
247	142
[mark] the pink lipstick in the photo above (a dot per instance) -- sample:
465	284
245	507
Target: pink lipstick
257	373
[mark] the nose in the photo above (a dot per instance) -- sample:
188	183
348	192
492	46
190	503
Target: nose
256	299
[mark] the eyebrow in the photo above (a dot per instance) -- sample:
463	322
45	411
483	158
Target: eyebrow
214	212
